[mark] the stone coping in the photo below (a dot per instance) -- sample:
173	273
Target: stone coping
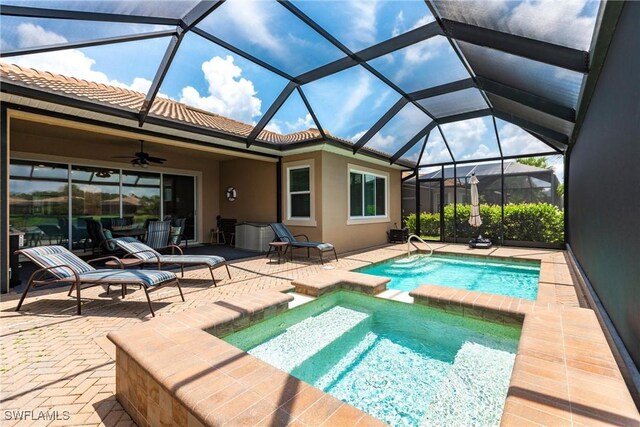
172	369
331	280
564	373
556	284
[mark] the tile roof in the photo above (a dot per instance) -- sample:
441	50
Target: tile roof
165	108
127	99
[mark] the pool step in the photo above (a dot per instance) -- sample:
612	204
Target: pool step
474	390
300	341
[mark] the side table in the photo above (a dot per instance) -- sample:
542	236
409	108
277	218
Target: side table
279	248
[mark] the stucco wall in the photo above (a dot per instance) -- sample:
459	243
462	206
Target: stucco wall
314	232
335	214
42	147
331	202
255	184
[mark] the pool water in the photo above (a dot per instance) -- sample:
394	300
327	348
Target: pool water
513	279
404	364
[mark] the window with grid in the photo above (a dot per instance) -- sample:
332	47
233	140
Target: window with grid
299	192
367	195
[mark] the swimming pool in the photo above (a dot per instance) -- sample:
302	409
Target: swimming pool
404	364
513	279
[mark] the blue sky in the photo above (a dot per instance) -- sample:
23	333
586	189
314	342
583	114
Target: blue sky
347	104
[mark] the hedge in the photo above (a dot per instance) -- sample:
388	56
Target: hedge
529	222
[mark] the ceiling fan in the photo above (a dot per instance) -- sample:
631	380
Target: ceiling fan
142	159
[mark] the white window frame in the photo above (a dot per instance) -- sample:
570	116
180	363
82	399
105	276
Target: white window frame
361	219
309	221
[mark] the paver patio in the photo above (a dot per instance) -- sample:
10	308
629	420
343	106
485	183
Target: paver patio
62	364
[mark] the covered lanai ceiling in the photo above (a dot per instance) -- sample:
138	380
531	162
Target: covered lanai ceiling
423	83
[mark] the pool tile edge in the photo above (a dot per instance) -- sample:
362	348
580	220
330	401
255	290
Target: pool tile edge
564	374
172	369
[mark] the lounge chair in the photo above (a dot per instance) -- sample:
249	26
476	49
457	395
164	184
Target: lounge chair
150	256
63	266
284	235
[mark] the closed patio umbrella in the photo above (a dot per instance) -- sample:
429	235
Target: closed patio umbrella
474	217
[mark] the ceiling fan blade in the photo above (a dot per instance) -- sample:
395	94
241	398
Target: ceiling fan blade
156	159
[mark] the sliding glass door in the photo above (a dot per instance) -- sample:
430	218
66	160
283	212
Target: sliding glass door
50	202
179	196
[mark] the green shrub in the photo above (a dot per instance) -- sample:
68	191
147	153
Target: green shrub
530	222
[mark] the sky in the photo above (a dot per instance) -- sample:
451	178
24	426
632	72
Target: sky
347	104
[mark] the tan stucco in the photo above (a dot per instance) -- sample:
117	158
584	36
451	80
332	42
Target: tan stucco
331	178
255	184
314	232
335	180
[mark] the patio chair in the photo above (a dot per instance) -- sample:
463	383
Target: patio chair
63	266
284	235
158	234
100	238
150	256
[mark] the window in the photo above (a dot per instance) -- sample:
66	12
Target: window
299	192
367	195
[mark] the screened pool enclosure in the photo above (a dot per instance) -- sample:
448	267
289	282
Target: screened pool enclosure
421	84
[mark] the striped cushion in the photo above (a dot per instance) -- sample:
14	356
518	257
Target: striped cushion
149	278
131	245
210	260
158	234
48	256
316	245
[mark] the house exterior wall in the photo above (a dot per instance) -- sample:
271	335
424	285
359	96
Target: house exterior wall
330	200
313	229
46	148
255	184
337	229
602	185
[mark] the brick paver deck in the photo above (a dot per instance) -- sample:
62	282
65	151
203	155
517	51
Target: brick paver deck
53	360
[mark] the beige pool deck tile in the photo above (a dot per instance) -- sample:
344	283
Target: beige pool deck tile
49	350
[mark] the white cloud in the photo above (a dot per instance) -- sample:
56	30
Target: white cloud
364	24
354	97
70	62
357	135
286	127
302	123
561	20
516	141
5	45
435	151
34	35
230	94
253	20
398	25
274	127
381	142
471	139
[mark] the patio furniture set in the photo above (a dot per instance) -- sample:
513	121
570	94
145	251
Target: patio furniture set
58	264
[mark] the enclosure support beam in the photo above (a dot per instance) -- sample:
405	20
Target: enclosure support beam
417	232
379	124
310	109
76	15
558	137
528	99
87	43
560	56
273	109
4	201
169	54
413	141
